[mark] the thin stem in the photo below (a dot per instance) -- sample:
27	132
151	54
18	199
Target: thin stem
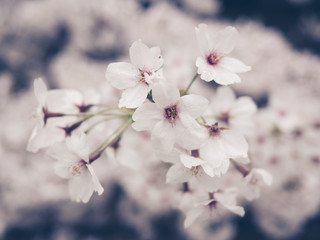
97	114
113	136
100	121
190	84
240	168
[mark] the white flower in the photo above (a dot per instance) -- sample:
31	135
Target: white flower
136	78
215	153
171	118
252	183
51	105
218	201
73	164
232	113
214	64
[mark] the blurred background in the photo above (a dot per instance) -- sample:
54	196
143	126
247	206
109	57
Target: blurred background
70	43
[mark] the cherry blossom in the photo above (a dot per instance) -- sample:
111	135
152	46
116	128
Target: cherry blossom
136	78
214	63
252	183
171	118
218	201
51	106
73	163
231	112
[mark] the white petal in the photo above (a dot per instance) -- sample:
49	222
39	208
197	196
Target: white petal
135	96
265	175
40	90
163	136
225	77
189	161
235	209
194	105
122	75
96	183
177	174
224	41
215	157
206	71
77	144
234	144
208	169
243	106
165	94
192	215
145	58
81	187
44	137
233	65
190	135
62	169
146	116
62	153
171	157
203	39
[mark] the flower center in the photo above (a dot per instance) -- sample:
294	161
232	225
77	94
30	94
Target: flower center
171	113
224	117
213	58
214	130
142	77
76	169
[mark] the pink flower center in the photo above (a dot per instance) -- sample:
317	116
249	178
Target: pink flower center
171	113
76	169
213	58
142	77
214	130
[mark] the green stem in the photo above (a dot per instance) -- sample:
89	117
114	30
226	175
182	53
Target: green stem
190	84
98	122
116	134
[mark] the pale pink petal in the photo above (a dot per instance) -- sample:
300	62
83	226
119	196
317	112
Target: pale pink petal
265	175
44	137
225	77
144	58
62	169
215	157
189	161
122	75
233	65
96	183
203	39
235	209
81	187
157	61
165	94
177	174
194	105
163	136
146	116
234	144
243	106
224	41
190	135
208	169
135	96
77	144
171	157
62	153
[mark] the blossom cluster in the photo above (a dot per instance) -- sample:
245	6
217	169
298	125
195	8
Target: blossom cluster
199	143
